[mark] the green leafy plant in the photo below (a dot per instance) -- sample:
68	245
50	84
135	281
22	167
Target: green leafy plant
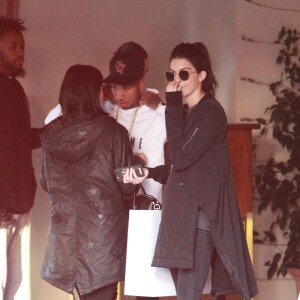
277	183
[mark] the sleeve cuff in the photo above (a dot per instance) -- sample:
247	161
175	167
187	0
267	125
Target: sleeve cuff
174	98
153	172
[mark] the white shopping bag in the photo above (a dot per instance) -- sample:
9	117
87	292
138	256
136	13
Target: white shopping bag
140	278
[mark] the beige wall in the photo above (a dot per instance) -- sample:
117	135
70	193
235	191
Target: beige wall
257	60
66	32
213	22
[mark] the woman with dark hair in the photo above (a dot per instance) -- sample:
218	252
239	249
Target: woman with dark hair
201	225
87	239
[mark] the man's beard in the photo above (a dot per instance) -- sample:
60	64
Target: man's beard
10	69
16	72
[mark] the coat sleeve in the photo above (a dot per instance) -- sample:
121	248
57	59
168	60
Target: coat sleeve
159	173
185	148
123	156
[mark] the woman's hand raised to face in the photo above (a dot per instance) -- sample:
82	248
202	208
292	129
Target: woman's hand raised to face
173	86
131	177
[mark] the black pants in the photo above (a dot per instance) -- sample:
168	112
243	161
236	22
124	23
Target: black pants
108	292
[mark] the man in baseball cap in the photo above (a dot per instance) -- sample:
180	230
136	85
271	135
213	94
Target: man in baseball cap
125	69
146	126
126	79
149	96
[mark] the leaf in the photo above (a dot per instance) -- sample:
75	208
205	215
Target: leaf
270	236
261	121
247	120
268	263
273	265
257	241
263	131
281	33
279	60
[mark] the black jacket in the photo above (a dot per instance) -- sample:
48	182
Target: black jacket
201	177
87	238
17	182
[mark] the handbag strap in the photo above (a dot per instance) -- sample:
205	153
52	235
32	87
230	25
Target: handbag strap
156	204
143	189
134	206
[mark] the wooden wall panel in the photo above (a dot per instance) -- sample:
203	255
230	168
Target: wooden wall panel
240	150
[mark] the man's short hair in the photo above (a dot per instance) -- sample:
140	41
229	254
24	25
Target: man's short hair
7	24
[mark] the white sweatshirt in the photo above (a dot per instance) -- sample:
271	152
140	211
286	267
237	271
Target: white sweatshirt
148	136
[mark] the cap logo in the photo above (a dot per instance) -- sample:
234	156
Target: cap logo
119	66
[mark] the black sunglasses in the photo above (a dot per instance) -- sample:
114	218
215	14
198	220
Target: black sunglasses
183	75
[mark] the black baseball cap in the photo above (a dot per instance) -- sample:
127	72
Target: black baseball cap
125	69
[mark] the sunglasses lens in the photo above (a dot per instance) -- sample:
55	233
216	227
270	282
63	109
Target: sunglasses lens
169	76
184	75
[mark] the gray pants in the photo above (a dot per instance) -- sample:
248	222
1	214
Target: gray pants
190	283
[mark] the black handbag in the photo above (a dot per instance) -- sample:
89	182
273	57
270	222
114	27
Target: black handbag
144	201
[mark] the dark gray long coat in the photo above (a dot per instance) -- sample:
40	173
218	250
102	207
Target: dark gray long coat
201	176
87	239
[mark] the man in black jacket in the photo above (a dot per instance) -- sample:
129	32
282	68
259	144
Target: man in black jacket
17	182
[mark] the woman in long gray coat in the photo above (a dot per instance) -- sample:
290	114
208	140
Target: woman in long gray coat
201	225
86	245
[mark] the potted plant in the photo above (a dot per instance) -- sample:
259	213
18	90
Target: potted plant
277	183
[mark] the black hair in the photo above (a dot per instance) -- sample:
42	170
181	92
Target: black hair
197	54
10	24
79	92
133	48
